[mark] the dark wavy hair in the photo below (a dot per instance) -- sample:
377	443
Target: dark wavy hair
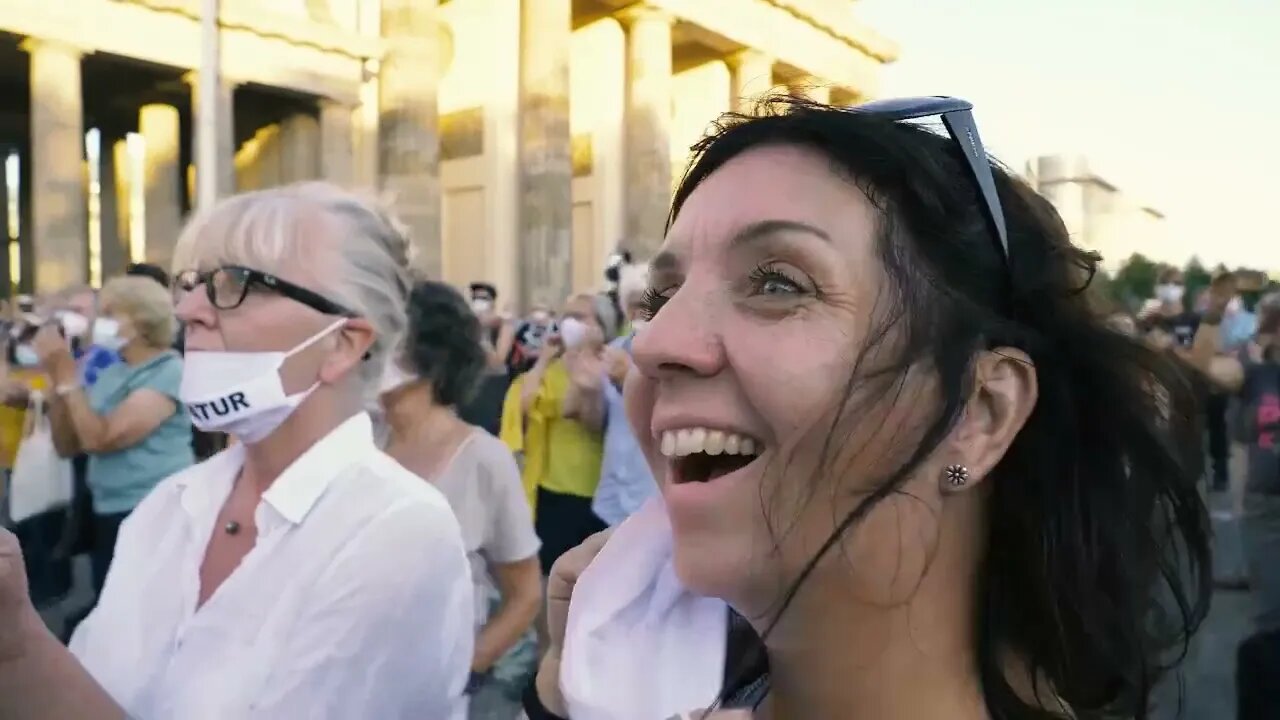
1097	565
442	343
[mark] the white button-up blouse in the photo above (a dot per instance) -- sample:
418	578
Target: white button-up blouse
354	603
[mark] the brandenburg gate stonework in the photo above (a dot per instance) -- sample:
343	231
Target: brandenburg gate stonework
521	141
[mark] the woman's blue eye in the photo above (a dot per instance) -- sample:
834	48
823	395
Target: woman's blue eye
773	286
771	281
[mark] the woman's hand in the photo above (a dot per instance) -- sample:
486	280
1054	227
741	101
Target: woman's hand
586	367
48	343
17	614
564	576
54	353
618	363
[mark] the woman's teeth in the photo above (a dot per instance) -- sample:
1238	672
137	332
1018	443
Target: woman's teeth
688	441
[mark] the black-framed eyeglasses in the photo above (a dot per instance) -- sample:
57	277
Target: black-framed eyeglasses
228	286
957	117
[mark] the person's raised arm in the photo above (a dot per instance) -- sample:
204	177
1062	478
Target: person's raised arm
532	382
39	678
502	348
584	400
1223	371
137	416
511	549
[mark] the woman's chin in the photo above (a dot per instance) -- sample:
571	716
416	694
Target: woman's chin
709	568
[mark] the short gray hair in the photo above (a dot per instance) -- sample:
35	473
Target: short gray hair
147	305
276	228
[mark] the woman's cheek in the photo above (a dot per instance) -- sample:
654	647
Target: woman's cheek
638	395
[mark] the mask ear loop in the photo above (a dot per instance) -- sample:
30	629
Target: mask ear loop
312	340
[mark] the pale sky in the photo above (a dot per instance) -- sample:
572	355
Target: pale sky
1174	101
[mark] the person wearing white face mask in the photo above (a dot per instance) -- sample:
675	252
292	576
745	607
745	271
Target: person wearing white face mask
438	367
301	573
129	423
562	411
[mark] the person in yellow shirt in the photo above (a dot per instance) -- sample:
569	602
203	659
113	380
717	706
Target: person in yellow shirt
554	418
49	577
20	373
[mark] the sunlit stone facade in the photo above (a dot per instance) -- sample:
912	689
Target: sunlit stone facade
522	141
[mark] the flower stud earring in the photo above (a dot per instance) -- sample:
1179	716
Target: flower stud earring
957	475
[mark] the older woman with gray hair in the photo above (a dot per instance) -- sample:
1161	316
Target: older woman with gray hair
301	573
129	422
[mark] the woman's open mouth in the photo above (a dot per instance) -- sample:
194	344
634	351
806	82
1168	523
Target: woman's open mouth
700	454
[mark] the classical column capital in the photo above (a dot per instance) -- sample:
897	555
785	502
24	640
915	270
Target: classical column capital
192	77
335	103
747	57
643	12
33	44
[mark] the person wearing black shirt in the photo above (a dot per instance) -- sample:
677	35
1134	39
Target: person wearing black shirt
484	408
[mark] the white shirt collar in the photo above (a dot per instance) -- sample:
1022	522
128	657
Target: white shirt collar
296	491
298	488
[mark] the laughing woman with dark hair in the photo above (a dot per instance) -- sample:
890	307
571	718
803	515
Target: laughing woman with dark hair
894	436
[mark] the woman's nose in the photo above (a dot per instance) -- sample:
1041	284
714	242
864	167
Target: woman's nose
193	306
683	337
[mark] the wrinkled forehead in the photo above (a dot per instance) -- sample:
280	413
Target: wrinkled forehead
760	196
288	237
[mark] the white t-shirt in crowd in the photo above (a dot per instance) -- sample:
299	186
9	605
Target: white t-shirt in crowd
354	603
484	489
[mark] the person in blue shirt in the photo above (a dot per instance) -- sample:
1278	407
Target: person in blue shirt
129	422
626	482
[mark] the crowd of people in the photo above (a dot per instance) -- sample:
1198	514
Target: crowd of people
857	442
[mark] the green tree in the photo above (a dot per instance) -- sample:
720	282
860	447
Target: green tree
1195	278
1135	281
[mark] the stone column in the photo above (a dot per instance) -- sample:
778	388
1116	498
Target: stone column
648	127
163	187
337	150
122	163
114	248
844	97
268	162
60	224
220	123
248	170
750	78
545	236
5	287
300	148
408	123
26	222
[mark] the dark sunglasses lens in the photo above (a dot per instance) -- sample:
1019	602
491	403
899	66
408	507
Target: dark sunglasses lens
915	107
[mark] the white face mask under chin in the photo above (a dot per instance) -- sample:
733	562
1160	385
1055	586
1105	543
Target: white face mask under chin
241	393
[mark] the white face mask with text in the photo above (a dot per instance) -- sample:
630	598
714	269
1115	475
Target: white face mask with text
241	393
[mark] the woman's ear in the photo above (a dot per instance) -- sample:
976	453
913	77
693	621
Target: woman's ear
1004	394
354	340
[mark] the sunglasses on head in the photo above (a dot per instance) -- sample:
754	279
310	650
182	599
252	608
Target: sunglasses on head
957	117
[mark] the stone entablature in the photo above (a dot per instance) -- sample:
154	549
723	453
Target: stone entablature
837	20
258	46
815	46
